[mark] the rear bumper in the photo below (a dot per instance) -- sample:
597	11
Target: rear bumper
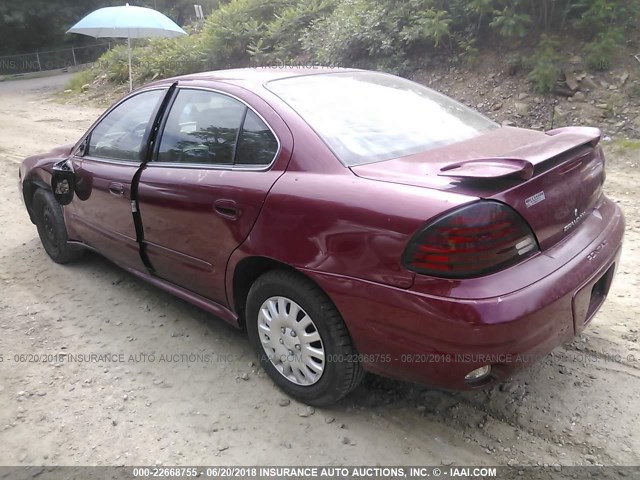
436	339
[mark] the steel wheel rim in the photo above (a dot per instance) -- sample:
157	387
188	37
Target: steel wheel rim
49	237
291	341
48	225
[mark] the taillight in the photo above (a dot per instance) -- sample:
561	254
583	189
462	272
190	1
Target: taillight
474	240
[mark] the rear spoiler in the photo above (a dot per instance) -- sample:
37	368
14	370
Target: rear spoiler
521	162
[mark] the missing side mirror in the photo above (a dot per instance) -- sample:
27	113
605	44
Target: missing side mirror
63	182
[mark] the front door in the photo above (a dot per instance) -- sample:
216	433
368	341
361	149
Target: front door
105	166
202	193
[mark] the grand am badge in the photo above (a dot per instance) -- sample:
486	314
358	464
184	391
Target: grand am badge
569	226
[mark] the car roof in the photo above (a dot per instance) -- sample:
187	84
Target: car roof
257	76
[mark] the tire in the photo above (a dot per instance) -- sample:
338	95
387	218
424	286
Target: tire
51	228
317	327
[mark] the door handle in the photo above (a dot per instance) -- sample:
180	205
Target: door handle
226	208
116	189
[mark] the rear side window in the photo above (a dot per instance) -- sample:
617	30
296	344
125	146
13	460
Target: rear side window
256	143
201	128
367	117
206	127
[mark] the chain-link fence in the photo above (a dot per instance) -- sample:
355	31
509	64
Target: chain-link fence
51	59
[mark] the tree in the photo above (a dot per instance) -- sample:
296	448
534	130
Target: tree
480	8
181	11
41	24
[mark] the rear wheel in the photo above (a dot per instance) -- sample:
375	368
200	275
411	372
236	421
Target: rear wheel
301	339
51	228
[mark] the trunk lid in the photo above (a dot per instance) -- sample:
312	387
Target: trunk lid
552	179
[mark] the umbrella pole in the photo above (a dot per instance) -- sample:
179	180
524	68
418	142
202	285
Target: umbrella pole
130	81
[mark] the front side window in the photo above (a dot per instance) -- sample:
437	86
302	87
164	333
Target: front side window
120	134
367	117
211	128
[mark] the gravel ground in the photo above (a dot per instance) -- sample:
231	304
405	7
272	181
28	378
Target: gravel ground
579	406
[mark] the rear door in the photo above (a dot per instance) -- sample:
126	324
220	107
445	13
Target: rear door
215	162
105	166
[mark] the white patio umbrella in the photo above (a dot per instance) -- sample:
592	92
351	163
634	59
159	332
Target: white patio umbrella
127	22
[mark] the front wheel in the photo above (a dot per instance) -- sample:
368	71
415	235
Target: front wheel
301	339
51	228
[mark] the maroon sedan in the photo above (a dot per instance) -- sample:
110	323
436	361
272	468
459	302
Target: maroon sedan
349	220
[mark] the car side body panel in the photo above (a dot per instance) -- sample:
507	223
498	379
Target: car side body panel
344	225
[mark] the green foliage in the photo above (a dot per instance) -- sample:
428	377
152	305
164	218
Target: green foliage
510	22
468	50
27	26
393	35
378	33
115	63
41	24
430	26
515	62
282	39
597	16
480	9
223	42
614	103
626	144
82	78
357	33
545	65
601	51
180	11
230	30
169	57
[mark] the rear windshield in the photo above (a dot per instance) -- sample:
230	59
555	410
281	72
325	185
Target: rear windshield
367	117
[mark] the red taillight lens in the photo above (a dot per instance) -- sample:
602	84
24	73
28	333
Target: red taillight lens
474	240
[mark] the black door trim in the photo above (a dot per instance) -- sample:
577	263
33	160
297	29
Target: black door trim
146	154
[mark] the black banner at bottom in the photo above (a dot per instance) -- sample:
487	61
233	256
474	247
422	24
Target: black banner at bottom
316	472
